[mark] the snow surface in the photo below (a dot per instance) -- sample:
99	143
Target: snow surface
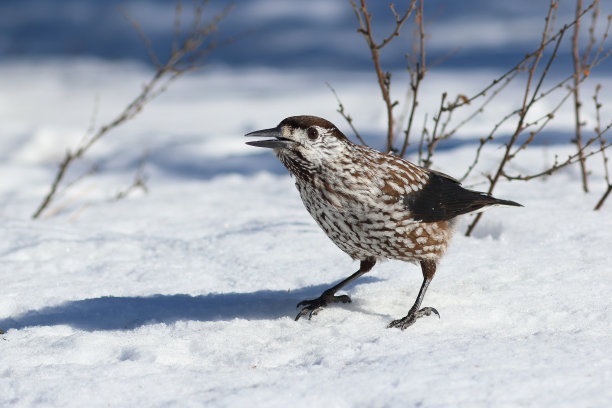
185	296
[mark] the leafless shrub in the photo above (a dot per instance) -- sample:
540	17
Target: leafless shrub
578	73
416	68
599	131
190	47
534	92
533	70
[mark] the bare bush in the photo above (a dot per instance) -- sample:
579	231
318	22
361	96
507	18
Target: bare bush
599	131
415	67
191	45
531	74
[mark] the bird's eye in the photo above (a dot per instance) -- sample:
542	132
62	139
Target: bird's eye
312	133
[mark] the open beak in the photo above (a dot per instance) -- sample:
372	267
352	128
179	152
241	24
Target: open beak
278	142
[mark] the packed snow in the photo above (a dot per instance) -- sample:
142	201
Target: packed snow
185	295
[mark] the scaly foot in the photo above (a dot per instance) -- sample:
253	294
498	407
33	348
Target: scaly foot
314	306
412	316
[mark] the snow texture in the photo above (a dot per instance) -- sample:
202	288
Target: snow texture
186	296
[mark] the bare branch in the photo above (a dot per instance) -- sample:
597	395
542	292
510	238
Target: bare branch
599	132
521	66
583	153
186	55
433	142
399	22
384	78
145	40
527	102
557	165
63	166
424	136
603	197
592	38
346	116
479	110
576	94
139	182
416	77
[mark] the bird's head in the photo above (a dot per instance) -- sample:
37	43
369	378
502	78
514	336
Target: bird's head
302	143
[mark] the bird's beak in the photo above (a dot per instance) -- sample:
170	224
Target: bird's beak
278	142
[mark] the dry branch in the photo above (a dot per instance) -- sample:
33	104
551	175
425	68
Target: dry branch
384	78
528	101
530	97
557	165
534	68
416	76
602	142
346	116
188	53
578	71
139	182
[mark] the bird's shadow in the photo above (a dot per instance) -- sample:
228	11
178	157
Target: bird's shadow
126	313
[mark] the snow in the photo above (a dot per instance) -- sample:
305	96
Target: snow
186	296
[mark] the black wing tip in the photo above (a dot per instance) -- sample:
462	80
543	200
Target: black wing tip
508	203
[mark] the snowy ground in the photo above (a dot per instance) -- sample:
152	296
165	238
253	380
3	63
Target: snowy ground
185	296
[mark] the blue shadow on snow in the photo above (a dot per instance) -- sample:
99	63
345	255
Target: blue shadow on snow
126	313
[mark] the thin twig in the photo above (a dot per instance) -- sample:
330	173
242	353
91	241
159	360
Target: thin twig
187	55
524	62
592	37
599	132
345	115
576	93
479	110
139	182
603	197
527	102
384	78
434	140
424	135
416	76
502	82
571	159
145	40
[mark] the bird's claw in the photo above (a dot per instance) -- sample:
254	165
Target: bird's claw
314	306
411	317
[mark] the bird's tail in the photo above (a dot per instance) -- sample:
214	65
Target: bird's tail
482	201
443	198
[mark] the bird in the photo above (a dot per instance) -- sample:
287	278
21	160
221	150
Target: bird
374	206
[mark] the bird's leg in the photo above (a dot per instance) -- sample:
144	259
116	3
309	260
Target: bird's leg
429	270
313	306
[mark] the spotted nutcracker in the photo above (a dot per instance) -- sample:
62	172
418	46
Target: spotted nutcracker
372	205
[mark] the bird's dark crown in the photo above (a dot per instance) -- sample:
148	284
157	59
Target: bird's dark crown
306	121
